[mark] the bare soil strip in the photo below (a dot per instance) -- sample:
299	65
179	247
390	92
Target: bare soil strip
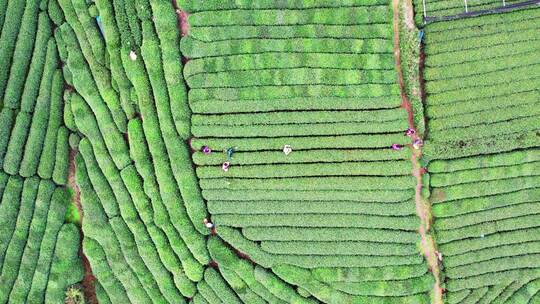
423	207
88	279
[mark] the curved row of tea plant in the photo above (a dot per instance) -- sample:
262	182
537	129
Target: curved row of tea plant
144	234
39	257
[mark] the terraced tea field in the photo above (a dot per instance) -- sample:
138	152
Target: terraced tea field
485	204
257	151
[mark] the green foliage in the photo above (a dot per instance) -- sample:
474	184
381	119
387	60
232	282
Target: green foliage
302	143
97	91
377	168
193	48
256	104
313	207
7	116
46	164
12	258
17	141
269	4
302	156
61	160
409	223
112	43
220	287
329	129
13	14
66	267
34	31
36	259
337	15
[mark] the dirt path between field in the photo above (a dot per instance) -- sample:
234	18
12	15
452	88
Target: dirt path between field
423	207
88	279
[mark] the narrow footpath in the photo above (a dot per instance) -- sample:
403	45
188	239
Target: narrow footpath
423	206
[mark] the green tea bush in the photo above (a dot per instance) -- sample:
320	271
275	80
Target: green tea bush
327	234
213	33
36	262
338	248
303	117
336	15
12	258
66	267
7	120
17	141
328	129
348	274
309	183
302	143
288	77
318	220
61	160
488	215
314	207
268	4
36	136
193	48
468	205
486	161
376	168
286	195
35	235
387	288
13	14
286	60
216	106
34	31
48	153
484	174
493	253
220	287
327	155
487	228
113	45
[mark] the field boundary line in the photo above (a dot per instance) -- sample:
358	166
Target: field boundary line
423	207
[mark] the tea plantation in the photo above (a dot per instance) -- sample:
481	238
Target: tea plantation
269	151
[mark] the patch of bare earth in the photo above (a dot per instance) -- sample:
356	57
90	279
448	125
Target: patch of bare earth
88	279
423	207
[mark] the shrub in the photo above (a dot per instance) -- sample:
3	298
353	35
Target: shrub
7	121
193	48
17	141
13	14
66	267
46	165
314	207
36	261
269	4
217	106
302	156
33	31
112	43
271	131
304	117
409	223
387	273
345	15
61	161
220	287
326	234
11	258
468	205
353	183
